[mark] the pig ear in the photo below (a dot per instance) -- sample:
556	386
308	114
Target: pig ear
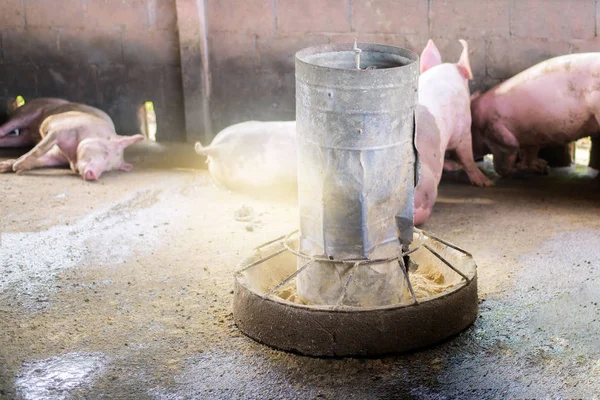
125	167
463	63
125	141
430	57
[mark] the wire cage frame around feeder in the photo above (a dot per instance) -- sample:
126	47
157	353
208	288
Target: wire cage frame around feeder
355	264
350	330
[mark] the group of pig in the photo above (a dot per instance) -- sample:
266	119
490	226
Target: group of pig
552	103
64	133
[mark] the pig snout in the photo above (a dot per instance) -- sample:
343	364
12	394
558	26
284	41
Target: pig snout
90	175
89	171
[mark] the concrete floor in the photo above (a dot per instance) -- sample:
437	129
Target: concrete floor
122	289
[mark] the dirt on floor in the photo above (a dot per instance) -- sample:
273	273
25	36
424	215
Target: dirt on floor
122	289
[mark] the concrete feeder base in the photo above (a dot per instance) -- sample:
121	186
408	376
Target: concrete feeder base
282	322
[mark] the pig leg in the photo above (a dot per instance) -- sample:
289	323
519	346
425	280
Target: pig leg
530	162
53	158
504	147
13	141
464	152
425	195
28	160
6	166
452	165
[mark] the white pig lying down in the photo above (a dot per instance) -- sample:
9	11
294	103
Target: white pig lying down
64	133
443	124
552	103
253	156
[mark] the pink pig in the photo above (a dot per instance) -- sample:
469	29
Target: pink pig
552	103
77	135
443	123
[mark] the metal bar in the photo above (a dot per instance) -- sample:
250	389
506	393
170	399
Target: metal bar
410	288
289	278
455	247
435	253
345	291
275	240
263	260
408	253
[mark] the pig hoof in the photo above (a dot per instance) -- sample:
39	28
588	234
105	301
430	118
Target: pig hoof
482	182
479	179
538	166
6	166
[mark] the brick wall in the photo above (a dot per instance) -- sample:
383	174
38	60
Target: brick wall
252	43
117	53
113	54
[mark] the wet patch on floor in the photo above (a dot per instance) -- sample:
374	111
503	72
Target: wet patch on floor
55	378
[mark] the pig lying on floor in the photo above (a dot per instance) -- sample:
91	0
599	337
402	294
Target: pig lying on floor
443	124
253	155
263	154
552	103
65	133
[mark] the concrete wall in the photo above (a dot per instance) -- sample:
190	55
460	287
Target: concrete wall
113	54
236	57
253	42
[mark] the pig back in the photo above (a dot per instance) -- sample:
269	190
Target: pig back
551	102
255	154
61	108
67	107
444	94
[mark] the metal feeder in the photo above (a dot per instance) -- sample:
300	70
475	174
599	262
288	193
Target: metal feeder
358	278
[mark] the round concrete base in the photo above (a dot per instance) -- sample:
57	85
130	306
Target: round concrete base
325	331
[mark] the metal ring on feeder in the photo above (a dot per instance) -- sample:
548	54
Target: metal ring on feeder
339	330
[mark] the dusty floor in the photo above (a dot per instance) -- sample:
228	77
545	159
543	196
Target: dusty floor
122	289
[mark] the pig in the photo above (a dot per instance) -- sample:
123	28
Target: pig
443	124
65	133
253	155
20	129
552	103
